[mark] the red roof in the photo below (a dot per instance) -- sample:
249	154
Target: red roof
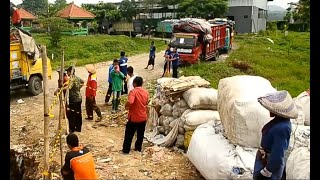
73	11
26	15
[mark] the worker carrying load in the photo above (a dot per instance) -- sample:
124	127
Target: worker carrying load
15	15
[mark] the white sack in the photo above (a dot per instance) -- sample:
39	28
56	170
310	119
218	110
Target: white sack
215	158
194	118
201	98
241	114
298	164
300	136
166	110
303	100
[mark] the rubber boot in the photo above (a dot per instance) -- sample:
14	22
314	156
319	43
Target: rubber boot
113	106
117	104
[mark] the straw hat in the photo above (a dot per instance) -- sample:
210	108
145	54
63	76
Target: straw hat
91	68
280	103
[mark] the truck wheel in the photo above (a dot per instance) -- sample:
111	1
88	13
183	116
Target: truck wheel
35	85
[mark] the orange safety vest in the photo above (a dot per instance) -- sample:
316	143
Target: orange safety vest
83	166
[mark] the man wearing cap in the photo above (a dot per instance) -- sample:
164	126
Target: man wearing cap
124	68
91	93
74	112
269	163
79	163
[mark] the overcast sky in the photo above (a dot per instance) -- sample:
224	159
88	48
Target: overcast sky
282	3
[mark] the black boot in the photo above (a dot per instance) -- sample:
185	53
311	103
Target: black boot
114	105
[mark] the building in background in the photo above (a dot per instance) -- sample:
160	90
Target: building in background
250	16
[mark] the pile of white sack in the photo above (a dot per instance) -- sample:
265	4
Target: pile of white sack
229	152
182	102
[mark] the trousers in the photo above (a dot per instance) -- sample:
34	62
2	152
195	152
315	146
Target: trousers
175	71
108	95
74	116
131	128
92	106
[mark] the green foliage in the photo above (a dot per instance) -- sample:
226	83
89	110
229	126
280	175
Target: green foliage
56	25
203	8
286	64
103	11
300	14
36	7
128	9
95	48
56	7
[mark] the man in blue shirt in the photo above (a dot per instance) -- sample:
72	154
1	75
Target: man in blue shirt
152	55
124	68
110	82
174	58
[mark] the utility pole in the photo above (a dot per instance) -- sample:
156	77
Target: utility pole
46	111
62	109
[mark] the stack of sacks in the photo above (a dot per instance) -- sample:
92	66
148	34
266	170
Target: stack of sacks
216	158
182	102
241	114
303	104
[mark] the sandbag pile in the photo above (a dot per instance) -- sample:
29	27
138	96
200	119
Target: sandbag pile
216	158
182	102
241	114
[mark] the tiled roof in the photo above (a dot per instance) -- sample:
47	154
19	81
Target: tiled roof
74	11
26	15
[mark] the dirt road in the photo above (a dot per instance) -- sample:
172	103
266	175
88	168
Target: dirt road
104	138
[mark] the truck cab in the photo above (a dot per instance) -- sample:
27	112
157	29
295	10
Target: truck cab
188	47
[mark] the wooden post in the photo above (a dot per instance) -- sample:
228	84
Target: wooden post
61	111
46	111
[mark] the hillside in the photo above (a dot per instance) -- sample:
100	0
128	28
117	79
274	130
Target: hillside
276	13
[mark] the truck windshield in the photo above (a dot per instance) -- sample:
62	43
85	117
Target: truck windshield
183	40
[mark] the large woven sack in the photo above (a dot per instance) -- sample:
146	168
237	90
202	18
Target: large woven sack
193	118
300	136
303	101
241	114
298	164
166	110
201	98
216	158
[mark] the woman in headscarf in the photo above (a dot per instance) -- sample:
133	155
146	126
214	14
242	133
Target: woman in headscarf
269	163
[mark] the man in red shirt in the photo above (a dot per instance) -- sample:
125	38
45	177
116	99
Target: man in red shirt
15	15
91	94
137	116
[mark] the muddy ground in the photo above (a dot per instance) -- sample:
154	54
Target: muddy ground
104	138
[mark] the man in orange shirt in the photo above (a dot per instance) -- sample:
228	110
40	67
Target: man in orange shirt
15	15
137	116
91	93
79	163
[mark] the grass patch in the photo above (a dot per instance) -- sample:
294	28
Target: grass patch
286	63
95	48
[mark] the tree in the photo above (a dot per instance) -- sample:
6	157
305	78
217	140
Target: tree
37	7
103	11
128	9
56	7
56	26
203	8
301	12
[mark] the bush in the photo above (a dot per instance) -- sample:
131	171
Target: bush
38	30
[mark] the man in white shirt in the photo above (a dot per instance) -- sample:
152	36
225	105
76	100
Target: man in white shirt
131	78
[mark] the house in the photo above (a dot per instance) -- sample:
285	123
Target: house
77	16
26	19
250	16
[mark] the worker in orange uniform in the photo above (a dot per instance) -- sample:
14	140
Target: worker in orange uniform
137	116
79	163
15	16
91	91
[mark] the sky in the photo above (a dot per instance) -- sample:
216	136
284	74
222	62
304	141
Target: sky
282	3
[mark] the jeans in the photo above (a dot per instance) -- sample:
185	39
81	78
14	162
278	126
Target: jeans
175	71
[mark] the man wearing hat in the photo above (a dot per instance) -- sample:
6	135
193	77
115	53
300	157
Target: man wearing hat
91	93
269	163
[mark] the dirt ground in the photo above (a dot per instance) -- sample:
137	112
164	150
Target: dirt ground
105	138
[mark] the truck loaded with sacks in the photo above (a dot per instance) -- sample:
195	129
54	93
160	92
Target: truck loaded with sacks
197	39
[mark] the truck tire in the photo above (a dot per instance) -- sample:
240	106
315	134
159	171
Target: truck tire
35	85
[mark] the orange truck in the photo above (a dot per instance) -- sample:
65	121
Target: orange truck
192	45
